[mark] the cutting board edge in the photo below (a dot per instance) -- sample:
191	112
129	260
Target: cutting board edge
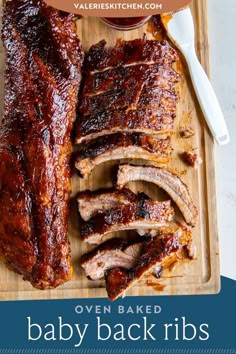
203	50
210	287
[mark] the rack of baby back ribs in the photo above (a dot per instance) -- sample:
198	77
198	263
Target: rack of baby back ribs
127	109
43	61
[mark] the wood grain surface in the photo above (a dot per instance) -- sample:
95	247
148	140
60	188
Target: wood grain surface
201	276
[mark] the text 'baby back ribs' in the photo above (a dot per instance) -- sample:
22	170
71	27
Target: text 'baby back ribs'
42	78
130	88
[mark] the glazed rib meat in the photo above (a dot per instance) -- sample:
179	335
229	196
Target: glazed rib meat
42	78
128	53
154	253
111	254
142	214
164	179
162	75
140	87
130	88
122	146
144	121
91	203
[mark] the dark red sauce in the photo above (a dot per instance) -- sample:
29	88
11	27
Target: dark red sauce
125	22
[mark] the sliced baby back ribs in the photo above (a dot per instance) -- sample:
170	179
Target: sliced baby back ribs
42	78
122	146
142	214
130	88
111	254
164	179
153	253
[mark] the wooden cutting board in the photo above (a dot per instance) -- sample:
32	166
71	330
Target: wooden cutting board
201	276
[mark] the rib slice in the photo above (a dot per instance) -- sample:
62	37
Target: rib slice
91	203
142	214
42	79
154	253
122	146
164	179
146	121
126	53
133	93
160	75
111	254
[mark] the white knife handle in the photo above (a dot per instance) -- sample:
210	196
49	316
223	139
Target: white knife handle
206	96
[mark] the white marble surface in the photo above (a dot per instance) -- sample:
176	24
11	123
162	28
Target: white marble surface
222	31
